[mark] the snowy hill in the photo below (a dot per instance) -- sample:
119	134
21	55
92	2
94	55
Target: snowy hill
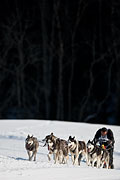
14	164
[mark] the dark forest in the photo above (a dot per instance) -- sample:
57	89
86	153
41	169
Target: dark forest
60	60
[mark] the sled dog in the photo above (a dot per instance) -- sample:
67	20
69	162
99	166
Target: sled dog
31	145
58	147
48	142
97	155
77	150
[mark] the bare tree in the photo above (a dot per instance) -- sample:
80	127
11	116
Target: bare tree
115	35
84	115
60	101
81	8
48	55
20	51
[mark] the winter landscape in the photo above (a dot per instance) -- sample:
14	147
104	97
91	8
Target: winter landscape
14	164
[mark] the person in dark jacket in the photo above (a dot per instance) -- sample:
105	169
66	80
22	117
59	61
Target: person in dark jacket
105	138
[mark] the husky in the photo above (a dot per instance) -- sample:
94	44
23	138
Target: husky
31	145
97	155
48	142
77	150
58	147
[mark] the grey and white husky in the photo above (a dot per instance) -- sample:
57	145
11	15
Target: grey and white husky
56	147
97	155
77	150
31	145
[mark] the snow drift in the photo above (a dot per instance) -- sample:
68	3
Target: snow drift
14	164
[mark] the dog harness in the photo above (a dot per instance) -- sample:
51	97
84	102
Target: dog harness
95	150
30	147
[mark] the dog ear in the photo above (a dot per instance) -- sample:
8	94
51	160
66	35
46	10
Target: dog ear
28	136
74	137
52	134
58	140
69	137
32	136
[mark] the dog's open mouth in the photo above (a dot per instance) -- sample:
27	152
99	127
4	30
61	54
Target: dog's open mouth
89	149
50	148
28	145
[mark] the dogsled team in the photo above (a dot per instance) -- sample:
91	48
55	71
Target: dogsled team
97	153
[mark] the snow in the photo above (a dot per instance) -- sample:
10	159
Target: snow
14	164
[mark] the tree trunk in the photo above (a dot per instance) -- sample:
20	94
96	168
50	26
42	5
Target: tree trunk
45	59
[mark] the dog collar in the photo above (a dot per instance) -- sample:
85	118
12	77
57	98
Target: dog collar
92	152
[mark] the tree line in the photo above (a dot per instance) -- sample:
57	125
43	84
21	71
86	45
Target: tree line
59	60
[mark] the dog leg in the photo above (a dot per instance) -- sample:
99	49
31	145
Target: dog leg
72	158
66	159
35	153
56	156
49	156
93	162
61	157
102	164
76	160
29	155
98	163
87	160
79	159
107	163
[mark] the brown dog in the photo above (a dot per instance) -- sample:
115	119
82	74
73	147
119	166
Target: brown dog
31	145
58	147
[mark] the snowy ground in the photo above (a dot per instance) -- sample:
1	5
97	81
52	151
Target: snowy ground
14	164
